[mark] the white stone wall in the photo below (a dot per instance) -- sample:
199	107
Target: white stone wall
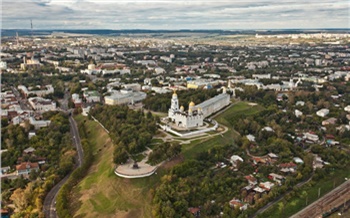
220	102
188	121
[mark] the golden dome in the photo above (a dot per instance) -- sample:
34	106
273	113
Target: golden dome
182	108
192	104
174	94
190	110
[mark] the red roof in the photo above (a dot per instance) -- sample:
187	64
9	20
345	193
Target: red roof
236	202
288	165
250	178
4	211
193	210
329	136
27	165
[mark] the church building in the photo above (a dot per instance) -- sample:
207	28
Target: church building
186	119
195	115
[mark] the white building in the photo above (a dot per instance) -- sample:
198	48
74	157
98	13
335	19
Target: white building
117	71
49	89
214	104
195	115
347	108
124	97
39	123
298	113
41	104
311	137
76	99
91	96
133	86
3	65
323	112
186	119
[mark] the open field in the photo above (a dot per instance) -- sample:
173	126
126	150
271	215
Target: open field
101	193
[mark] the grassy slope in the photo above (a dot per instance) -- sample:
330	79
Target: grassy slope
101	193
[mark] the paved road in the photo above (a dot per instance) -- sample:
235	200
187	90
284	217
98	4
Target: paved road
22	102
50	199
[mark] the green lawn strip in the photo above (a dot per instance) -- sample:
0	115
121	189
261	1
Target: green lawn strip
296	204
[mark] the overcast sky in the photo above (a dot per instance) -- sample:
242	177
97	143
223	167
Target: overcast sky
175	14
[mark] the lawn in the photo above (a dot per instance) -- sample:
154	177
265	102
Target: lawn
296	204
197	146
101	193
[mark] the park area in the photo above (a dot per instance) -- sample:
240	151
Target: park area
103	194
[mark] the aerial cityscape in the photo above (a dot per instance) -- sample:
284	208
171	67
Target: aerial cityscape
133	109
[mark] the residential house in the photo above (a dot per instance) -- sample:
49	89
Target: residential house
266	185
276	177
251	138
347	108
298	160
288	167
195	211
272	157
4	170
28	151
329	121
323	112
311	137
92	96
236	203
25	168
298	113
259	160
235	159
251	180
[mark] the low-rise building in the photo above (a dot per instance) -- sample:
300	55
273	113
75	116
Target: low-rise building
41	92
92	96
39	123
77	100
329	121
323	112
124	97
236	203
25	168
41	104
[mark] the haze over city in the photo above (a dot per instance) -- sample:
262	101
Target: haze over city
173	14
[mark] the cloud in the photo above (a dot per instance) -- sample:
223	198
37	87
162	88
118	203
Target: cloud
175	14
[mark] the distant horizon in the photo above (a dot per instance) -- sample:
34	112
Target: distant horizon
175	14
263	29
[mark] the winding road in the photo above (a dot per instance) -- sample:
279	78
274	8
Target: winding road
49	206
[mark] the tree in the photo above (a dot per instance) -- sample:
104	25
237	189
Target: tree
19	199
120	155
33	174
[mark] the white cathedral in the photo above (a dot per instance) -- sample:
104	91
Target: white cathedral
195	115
